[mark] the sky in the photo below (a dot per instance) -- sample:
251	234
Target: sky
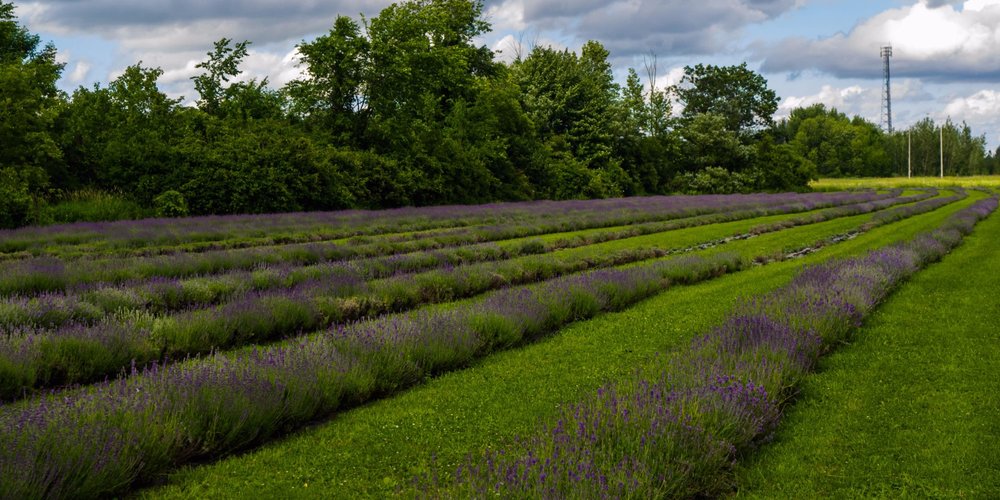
946	54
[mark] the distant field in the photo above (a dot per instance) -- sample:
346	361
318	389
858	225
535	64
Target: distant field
371	354
988	181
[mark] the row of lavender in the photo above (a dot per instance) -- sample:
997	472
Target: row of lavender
99	439
214	231
47	274
676	433
111	435
33	356
89	302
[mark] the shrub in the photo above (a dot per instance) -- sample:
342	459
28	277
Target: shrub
170	203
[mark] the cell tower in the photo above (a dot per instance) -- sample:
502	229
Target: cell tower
886	90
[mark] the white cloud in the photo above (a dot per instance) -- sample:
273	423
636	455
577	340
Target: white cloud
985	103
851	100
175	35
79	72
980	110
910	90
508	48
942	43
978	5
279	69
671	78
507	16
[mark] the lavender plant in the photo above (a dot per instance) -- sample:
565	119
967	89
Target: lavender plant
21	276
88	302
677	433
80	353
308	227
112	434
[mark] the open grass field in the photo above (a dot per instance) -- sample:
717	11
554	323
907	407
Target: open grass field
985	181
632	347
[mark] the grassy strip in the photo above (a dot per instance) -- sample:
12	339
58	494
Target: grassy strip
377	449
81	354
909	408
48	274
676	433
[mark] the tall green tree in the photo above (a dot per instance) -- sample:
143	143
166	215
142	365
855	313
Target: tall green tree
334	94
29	105
574	104
736	93
647	145
838	146
241	100
120	137
222	65
30	100
707	142
423	54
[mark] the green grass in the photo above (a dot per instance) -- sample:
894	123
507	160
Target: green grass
910	409
376	449
987	181
91	205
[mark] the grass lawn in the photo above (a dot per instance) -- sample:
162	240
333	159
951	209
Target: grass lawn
375	450
912	407
988	181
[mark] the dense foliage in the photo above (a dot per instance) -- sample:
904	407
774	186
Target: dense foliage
405	109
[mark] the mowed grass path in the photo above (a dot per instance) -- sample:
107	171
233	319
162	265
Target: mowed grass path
375	450
912	408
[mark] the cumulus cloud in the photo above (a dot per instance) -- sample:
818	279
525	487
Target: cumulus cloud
79	72
507	15
943	41
633	27
176	34
982	103
911	98
513	45
672	77
980	110
180	23
851	100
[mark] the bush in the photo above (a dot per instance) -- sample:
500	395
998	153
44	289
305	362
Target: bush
717	180
170	203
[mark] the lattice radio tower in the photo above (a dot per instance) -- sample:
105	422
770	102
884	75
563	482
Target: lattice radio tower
886	90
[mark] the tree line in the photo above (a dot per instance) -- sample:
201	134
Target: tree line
405	109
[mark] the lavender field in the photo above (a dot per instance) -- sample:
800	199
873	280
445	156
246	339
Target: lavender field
136	355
